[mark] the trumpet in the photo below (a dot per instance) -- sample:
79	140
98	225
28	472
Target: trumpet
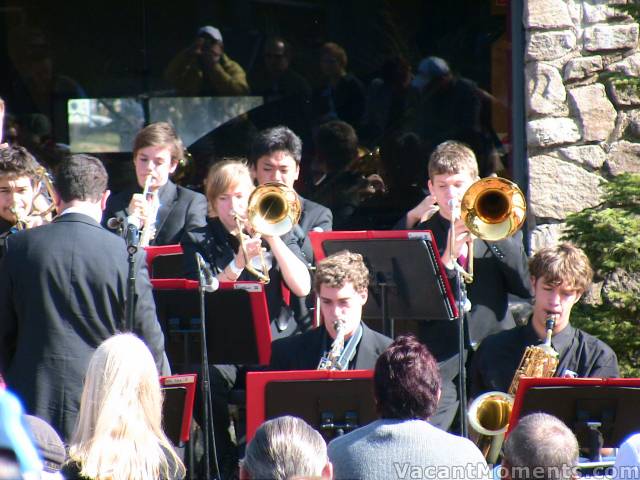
492	208
153	204
489	413
273	209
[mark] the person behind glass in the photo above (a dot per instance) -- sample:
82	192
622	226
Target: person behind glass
342	96
559	275
341	283
500	267
278	80
157	151
204	69
119	432
406	387
229	184
275	156
339	188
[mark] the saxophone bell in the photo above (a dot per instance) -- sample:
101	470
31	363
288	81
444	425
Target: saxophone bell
489	414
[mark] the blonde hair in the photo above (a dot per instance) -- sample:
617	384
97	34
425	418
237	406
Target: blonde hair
341	268
564	263
452	157
223	175
119	432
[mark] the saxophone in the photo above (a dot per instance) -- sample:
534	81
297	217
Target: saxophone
330	360
489	413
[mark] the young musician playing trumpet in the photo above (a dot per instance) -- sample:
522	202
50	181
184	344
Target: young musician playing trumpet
500	267
229	185
165	208
560	275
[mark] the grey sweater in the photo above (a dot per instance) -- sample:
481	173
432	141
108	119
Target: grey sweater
397	449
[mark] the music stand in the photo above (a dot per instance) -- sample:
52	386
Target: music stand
164	261
177	409
238	329
600	412
330	401
406	277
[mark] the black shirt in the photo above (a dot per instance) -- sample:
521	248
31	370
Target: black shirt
218	247
499	355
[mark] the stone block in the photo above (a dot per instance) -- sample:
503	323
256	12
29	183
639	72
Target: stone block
547	132
624	94
594	111
545	235
558	188
550	45
582	67
547	95
592	156
610	37
600	11
546	14
628	66
624	157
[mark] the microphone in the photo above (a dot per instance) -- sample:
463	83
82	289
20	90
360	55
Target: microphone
210	283
114	223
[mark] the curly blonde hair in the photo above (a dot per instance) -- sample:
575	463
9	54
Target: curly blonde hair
341	268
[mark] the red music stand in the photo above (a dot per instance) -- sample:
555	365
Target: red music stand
177	409
326	400
236	314
164	261
407	279
602	412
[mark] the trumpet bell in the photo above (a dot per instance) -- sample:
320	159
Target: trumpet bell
493	208
273	209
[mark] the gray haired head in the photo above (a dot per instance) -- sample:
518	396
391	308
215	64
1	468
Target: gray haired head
283	448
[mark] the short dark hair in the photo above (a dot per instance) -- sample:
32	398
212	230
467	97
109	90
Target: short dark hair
18	162
273	140
81	177
336	143
406	380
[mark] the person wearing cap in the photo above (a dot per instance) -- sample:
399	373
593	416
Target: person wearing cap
204	69
452	107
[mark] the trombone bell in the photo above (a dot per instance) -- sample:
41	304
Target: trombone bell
493	208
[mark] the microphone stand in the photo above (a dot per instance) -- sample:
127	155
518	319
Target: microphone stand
133	240
207	403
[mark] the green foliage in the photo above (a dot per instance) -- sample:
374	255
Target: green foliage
609	233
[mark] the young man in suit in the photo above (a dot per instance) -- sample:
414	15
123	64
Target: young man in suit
275	156
500	267
157	150
63	288
341	283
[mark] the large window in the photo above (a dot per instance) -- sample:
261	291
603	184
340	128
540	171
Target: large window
86	75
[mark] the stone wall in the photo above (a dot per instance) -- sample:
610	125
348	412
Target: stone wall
582	128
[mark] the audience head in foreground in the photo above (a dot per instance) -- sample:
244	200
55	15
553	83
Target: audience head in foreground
406	381
540	446
119	430
285	448
402	444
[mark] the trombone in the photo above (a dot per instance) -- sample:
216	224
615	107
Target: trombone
273	209
492	208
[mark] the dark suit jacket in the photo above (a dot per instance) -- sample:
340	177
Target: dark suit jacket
62	292
180	210
500	268
303	352
313	216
